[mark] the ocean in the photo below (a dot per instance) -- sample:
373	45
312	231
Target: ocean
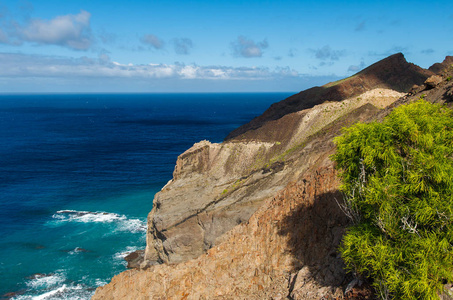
78	174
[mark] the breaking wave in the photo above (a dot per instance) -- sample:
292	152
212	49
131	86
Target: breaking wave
43	281
123	223
54	286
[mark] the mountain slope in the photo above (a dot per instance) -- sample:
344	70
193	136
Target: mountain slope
257	217
393	72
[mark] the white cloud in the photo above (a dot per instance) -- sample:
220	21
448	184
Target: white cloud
71	31
244	47
21	65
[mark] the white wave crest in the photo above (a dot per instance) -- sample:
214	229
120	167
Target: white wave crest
66	292
133	225
100	282
122	254
87	216
57	292
41	281
77	250
123	223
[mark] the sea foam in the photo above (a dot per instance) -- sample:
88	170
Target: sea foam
64	292
43	281
123	223
87	216
54	286
119	256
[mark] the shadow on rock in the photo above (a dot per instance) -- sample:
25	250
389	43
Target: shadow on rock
314	230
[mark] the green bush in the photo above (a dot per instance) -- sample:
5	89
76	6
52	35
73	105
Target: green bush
398	185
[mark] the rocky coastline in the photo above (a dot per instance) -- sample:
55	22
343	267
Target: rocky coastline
257	216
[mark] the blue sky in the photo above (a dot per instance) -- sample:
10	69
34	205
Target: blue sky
209	46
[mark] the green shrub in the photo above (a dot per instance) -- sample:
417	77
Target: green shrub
398	185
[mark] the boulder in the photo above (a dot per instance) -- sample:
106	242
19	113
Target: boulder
134	259
433	81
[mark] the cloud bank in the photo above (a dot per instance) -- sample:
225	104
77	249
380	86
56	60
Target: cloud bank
26	66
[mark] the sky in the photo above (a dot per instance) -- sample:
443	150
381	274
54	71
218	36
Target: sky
141	46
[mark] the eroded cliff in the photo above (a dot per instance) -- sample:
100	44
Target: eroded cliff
218	186
256	217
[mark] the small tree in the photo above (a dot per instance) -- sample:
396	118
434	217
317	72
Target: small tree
398	184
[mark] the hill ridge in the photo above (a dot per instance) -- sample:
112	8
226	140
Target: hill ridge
393	72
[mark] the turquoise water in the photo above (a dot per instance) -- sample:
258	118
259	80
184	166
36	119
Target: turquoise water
78	174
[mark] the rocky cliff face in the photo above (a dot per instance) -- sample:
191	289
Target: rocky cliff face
261	258
218	186
256	217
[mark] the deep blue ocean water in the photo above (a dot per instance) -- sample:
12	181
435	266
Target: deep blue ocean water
78	174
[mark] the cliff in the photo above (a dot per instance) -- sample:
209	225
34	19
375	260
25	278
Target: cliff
257	216
218	186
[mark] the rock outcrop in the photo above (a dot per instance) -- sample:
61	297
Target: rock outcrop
256	217
287	247
218	186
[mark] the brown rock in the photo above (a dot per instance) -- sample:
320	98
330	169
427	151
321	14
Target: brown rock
10	295
448	95
416	89
433	81
134	259
439	68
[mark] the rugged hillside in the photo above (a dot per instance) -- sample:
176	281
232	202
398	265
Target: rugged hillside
256	216
393	72
440	68
218	186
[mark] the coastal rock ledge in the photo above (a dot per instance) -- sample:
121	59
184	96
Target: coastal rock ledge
257	216
287	246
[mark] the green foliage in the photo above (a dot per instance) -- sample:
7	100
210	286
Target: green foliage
448	78
398	184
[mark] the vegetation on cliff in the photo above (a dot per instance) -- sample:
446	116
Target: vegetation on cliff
398	182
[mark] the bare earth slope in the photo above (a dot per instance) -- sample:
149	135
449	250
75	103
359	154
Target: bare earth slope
393	72
256	217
